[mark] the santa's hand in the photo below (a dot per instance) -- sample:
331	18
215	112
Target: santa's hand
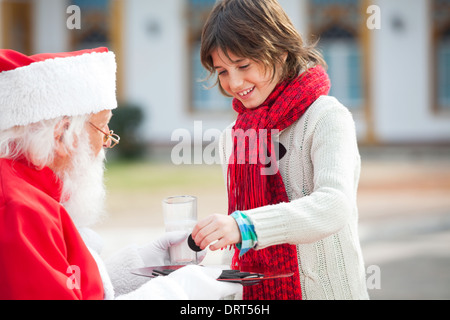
200	283
157	253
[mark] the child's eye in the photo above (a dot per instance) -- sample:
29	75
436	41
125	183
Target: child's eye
244	67
222	72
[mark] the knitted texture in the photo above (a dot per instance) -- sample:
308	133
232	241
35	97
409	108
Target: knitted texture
249	187
320	171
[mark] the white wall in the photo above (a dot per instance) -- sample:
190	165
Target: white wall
152	43
297	12
156	68
402	75
50	33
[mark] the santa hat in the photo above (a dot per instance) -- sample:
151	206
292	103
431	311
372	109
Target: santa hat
50	85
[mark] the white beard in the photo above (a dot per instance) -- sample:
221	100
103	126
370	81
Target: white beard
83	193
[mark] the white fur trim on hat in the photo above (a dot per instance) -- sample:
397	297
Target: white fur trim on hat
57	87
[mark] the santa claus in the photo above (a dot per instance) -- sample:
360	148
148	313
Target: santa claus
54	115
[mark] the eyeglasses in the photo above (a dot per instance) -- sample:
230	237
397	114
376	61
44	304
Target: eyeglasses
108	136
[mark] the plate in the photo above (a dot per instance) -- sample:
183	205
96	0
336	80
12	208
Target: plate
234	276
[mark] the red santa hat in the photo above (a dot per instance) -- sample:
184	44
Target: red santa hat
50	85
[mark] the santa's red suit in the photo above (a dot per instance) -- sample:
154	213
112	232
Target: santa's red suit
42	255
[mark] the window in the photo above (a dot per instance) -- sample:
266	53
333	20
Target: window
444	72
15	25
336	24
101	26
95	27
203	97
441	19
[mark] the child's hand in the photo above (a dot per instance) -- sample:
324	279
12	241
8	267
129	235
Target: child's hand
216	227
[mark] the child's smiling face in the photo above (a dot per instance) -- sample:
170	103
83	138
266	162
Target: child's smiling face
244	79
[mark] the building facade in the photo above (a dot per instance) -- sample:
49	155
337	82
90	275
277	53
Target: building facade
389	61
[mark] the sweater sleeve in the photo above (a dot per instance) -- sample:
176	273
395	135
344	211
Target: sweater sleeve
119	266
327	209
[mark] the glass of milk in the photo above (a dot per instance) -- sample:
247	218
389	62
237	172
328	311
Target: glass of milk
180	214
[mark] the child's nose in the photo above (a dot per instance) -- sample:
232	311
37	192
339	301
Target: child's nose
236	83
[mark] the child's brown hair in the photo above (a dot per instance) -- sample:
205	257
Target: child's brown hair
258	30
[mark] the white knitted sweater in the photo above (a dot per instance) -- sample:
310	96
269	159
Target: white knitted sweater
321	172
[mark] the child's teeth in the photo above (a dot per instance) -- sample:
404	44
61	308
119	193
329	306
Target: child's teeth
246	92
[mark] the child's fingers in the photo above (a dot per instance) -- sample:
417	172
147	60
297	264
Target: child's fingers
210	238
221	243
200	225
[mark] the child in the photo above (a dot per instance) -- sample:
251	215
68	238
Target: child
302	217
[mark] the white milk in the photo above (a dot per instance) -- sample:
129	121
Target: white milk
181	253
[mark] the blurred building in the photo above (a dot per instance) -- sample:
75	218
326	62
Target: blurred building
389	61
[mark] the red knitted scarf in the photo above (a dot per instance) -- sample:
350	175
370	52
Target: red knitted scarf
251	184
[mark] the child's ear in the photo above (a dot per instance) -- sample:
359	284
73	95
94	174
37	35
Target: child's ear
284	56
58	134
